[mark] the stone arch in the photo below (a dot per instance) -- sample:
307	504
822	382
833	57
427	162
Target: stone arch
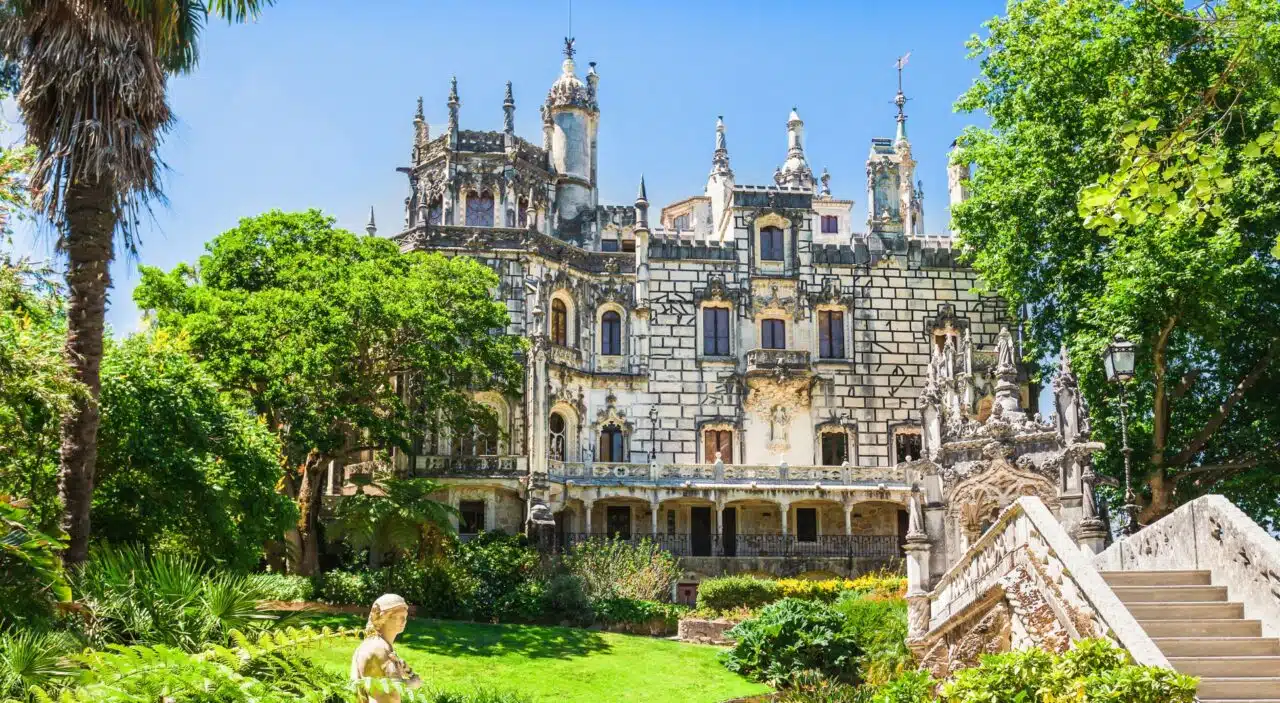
570	337
501	409
974	503
562	439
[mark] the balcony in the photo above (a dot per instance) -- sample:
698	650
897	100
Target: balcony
885	547
494	466
744	474
773	360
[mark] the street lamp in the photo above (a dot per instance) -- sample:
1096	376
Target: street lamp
653	431
1119	360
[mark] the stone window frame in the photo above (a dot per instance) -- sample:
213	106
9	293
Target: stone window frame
623	329
787	331
699	327
572	427
833	427
903	428
570	318
479	193
484	514
824	219
846	332
720	425
771	219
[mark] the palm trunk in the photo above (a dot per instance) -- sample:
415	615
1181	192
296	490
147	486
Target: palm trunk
309	503
87	241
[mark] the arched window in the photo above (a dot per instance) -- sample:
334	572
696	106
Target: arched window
611	334
557	436
480	209
522	212
612	444
559	323
771	244
434	212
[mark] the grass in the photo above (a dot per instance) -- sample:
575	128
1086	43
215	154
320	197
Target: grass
560	664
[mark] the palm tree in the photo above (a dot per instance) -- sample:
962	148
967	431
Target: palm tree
394	515
93	80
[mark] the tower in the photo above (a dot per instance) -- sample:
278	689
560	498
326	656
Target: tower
893	199
795	171
571	116
720	183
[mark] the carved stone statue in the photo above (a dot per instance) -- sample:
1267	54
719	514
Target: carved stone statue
376	658
779	426
1004	351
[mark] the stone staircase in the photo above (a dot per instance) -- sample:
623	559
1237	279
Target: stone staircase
1202	633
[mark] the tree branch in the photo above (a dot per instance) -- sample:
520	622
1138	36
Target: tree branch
1160	407
1224	410
1229	467
1189	379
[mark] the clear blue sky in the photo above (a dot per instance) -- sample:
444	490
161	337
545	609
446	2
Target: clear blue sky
312	105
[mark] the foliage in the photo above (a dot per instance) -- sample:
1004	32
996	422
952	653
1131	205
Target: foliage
271	669
1094	671
792	636
36	386
345	588
31	575
311	321
909	687
1130	182
181	466
610	611
388	516
31	657
879	627
565	601
164	599
500	570
884	585
284	587
616	568
729	592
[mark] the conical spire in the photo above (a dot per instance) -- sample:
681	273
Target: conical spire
720	160
642	207
795	171
371	227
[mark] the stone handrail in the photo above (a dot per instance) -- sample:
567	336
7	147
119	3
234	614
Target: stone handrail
1028	532
731	473
1211	534
772	359
495	465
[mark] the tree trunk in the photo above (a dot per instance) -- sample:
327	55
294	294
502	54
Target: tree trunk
309	503
1162	488
87	241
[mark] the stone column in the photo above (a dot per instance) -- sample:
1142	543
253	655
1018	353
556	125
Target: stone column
848	520
786	509
586	506
653	514
918	577
1091	533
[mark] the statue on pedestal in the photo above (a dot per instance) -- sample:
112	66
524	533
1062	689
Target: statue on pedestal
376	658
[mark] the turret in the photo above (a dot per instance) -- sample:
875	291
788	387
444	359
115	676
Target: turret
371	227
957	176
795	170
572	115
720	184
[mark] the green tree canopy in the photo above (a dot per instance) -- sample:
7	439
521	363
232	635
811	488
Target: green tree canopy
1121	188
342	343
182	466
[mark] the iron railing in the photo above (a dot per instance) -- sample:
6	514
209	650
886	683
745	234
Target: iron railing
754	545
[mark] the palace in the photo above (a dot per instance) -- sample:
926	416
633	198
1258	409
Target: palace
746	377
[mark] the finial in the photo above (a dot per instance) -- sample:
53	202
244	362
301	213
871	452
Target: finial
509	99
795	116
371	227
642	196
569	51
901	99
453	90
720	159
419	115
826	182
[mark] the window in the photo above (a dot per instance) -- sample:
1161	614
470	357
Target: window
617	520
611	334
833	448
433	212
681	223
609	245
557	436
480	209
773	334
471	517
720	441
831	334
611	444
559	323
671	522
715	331
906	446
806	524
830	224
629	245
771	244
522	213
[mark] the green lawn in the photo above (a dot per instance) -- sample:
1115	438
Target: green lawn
553	664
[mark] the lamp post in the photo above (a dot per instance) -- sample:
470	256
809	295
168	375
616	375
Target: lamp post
1119	360
653	432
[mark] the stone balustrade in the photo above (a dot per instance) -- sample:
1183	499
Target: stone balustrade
470	466
768	360
735	474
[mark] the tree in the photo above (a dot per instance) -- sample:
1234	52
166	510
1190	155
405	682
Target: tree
1121	187
182	466
343	343
92	94
384	516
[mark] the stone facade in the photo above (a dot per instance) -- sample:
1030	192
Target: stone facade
751	375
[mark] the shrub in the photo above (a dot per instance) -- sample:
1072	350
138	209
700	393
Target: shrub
637	612
565	601
908	687
284	587
730	592
792	636
499	567
31	658
616	568
879	626
345	588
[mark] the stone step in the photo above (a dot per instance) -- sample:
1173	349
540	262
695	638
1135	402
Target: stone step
1201	628
1170	594
1157	578
1186	611
1218	646
1241	688
1227	666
